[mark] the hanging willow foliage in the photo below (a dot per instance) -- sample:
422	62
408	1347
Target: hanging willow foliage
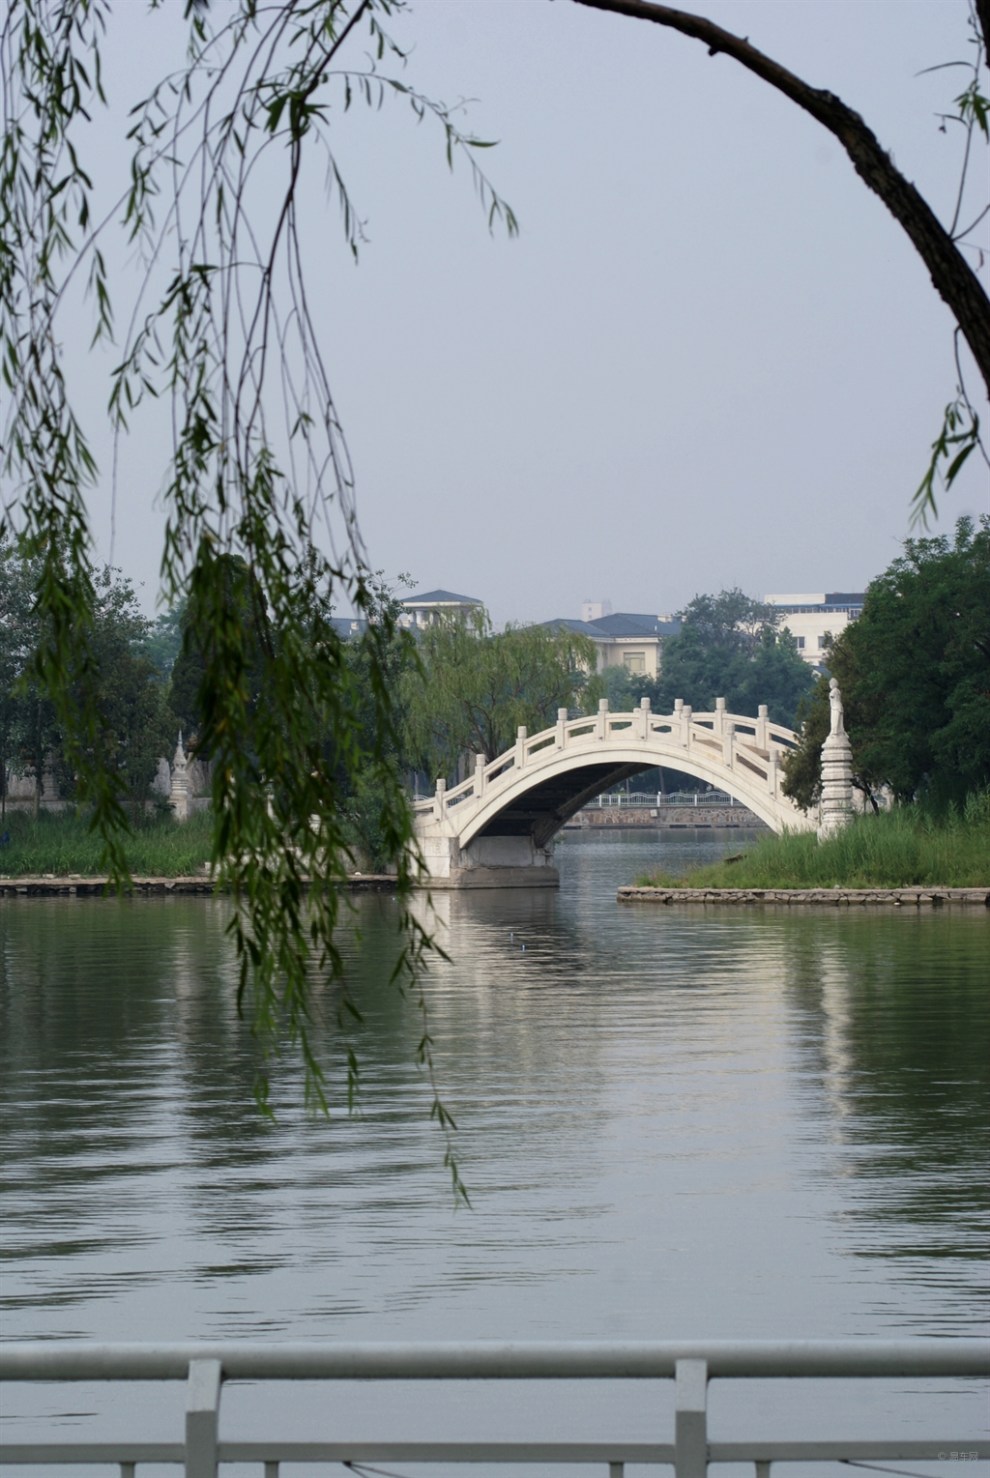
259	480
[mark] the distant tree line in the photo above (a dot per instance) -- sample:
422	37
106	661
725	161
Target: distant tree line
117	681
914	671
456	690
730	646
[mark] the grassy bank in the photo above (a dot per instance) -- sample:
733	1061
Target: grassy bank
62	845
898	849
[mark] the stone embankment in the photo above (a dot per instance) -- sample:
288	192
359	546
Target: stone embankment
83	887
817	897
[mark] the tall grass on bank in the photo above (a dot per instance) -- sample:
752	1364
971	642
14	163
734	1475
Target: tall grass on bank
62	844
903	848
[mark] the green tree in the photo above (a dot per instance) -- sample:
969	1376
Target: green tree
121	685
18	640
118	683
226	610
803	766
165	640
613	683
914	673
374	764
777	675
475	687
38	739
29	733
729	646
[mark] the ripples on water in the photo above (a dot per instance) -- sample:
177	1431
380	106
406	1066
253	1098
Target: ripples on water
674	1123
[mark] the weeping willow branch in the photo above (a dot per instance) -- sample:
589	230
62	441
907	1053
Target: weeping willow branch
259	491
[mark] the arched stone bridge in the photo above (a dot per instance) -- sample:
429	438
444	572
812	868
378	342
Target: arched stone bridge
497	827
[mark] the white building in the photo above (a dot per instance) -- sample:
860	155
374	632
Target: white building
814	618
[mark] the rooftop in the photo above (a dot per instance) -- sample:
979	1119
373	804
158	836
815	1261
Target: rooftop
440	598
622	624
828	601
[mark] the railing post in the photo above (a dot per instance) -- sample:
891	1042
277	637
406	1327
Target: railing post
521	747
602	730
202	1418
479	774
728	744
691	1419
760	737
772	759
686	716
644	719
561	727
719	723
440	801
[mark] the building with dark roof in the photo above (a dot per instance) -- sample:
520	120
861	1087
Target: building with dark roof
427	606
625	639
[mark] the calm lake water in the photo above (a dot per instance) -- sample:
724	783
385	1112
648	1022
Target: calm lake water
674	1123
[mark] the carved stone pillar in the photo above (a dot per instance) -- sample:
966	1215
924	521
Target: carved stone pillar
179	789
837	790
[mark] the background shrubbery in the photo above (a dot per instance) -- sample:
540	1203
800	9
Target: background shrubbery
65	843
908	847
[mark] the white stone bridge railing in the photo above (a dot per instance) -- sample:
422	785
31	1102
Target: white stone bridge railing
738	754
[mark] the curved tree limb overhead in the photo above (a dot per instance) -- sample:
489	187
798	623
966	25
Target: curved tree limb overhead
983	16
952	277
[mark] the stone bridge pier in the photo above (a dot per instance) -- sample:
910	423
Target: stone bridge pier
489	862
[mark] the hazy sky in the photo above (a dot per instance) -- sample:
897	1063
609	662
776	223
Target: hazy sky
710	359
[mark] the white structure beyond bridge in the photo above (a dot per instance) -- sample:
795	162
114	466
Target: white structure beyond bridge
496	828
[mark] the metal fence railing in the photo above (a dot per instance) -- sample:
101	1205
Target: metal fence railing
641	798
687	1446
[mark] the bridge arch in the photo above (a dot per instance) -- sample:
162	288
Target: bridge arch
519	800
587	781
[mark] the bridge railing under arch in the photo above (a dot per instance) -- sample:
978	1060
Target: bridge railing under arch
732	744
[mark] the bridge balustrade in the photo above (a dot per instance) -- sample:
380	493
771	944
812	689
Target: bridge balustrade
731	743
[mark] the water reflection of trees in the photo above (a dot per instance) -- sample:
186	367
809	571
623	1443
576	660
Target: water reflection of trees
886	1027
117	1017
892	1024
902	1055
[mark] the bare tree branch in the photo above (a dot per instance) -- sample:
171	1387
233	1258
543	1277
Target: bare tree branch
951	275
983	16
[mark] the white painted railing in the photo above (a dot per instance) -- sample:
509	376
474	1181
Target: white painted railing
688	1448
